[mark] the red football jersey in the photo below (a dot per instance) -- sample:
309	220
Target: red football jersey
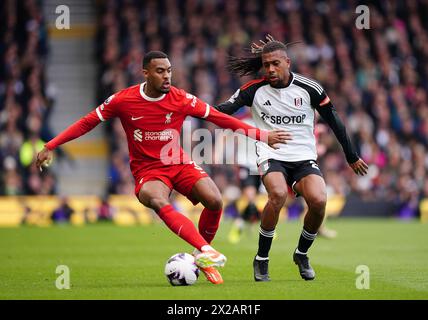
153	125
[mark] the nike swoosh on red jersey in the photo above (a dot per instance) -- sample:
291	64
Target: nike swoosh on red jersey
137	118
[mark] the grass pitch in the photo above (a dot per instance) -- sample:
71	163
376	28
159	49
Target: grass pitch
110	262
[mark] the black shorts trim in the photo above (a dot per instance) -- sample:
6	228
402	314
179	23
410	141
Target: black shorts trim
293	171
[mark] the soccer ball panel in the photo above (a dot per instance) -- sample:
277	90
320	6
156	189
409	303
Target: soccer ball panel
181	270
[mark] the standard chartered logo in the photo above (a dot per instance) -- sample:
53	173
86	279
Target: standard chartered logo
159	135
138	135
153	135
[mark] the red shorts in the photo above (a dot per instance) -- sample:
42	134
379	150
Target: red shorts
181	177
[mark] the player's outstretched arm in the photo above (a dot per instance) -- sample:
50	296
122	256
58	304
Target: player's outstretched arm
44	158
359	167
270	137
229	107
77	129
329	114
278	136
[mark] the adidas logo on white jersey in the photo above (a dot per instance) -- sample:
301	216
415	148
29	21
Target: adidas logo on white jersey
267	103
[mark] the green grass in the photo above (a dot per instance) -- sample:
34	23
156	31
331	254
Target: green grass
110	262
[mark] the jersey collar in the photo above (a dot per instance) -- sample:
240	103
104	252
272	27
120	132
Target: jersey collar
290	79
146	97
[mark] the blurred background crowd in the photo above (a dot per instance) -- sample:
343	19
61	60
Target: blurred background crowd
25	100
377	79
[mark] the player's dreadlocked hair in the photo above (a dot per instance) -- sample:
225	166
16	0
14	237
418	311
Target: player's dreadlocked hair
244	66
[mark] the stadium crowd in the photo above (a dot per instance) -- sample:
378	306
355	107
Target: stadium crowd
25	104
376	78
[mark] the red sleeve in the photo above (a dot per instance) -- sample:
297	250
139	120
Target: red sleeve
105	111
108	109
195	107
77	129
228	122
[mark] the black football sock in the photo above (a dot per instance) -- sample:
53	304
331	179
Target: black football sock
265	242
305	241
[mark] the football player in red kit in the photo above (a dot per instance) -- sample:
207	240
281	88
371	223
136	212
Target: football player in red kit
152	115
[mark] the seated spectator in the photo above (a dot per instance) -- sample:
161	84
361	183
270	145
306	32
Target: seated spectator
105	211
62	214
25	105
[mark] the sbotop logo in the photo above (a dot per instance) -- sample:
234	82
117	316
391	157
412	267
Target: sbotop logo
275	119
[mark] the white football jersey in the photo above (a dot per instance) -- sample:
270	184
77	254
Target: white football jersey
291	108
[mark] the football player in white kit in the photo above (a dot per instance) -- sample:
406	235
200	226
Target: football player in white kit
287	100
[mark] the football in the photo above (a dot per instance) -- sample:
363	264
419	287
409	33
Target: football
181	270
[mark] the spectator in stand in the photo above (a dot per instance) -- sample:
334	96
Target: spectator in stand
62	214
25	104
105	211
378	79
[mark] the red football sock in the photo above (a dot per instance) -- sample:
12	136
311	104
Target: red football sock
208	223
181	226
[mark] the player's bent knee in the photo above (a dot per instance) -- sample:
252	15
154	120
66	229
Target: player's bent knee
318	203
214	203
277	197
143	200
156	203
153	202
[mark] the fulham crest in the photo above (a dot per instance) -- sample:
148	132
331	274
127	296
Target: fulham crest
298	102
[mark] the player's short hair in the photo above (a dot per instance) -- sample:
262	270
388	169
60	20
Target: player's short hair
149	56
274	46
